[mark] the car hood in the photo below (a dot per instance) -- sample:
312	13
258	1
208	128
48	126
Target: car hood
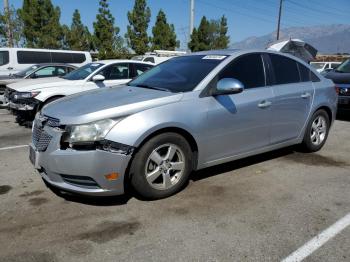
339	78
105	103
35	84
7	81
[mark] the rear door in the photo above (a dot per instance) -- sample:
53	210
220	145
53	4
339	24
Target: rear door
293	95
116	74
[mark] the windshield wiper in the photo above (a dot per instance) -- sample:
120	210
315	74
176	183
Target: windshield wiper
152	87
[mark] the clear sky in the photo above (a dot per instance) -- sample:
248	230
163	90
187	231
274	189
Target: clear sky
245	17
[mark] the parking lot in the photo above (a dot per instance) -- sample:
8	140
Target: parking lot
258	209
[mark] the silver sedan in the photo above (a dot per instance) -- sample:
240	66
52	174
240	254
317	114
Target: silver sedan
189	113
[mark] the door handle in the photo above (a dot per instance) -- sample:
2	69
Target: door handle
305	95
264	104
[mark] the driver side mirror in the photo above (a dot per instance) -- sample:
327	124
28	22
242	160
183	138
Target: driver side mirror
228	86
98	78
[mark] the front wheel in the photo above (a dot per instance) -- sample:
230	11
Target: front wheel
162	166
316	132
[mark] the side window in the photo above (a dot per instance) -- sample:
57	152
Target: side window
60	57
149	59
33	57
45	72
141	68
69	69
60	71
334	65
305	73
116	71
78	58
4	57
286	70
248	69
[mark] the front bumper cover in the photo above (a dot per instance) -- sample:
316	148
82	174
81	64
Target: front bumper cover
81	171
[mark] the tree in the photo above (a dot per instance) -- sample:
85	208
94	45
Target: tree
41	24
164	36
200	38
77	37
222	40
210	35
106	38
136	34
10	28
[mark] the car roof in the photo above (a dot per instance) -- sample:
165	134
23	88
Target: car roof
112	61
54	64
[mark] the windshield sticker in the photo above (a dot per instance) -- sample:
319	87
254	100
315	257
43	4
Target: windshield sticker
215	57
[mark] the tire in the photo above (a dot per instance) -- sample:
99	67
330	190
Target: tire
316	132
166	160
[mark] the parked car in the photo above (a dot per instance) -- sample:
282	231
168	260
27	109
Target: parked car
188	113
13	60
158	56
325	66
32	72
341	77
28	96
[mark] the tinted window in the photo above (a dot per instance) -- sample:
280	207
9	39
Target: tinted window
286	70
33	57
78	58
248	69
4	57
117	71
58	57
141	68
83	72
149	59
305	73
180	74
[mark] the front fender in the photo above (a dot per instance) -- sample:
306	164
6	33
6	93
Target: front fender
134	129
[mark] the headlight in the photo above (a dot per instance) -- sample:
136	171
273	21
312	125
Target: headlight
90	132
24	95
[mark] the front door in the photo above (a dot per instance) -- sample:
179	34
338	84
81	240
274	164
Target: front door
240	123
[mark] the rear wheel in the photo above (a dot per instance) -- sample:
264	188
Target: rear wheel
317	131
162	166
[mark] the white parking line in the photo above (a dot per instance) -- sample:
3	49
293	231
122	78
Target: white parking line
12	147
319	240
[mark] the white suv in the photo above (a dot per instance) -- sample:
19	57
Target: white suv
28	96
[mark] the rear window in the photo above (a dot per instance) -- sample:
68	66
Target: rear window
285	69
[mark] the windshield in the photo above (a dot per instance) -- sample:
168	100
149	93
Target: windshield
4	57
27	71
344	67
83	72
180	74
317	65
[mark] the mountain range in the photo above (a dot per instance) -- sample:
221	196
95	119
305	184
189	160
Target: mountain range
328	39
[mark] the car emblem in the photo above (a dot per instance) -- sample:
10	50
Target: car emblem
41	120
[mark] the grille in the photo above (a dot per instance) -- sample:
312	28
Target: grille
52	122
40	138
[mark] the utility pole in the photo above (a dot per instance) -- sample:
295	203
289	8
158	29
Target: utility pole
191	19
8	23
279	21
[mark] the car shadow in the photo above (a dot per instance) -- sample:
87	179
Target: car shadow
343	115
237	164
195	176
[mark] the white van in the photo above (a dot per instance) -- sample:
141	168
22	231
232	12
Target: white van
13	60
157	56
